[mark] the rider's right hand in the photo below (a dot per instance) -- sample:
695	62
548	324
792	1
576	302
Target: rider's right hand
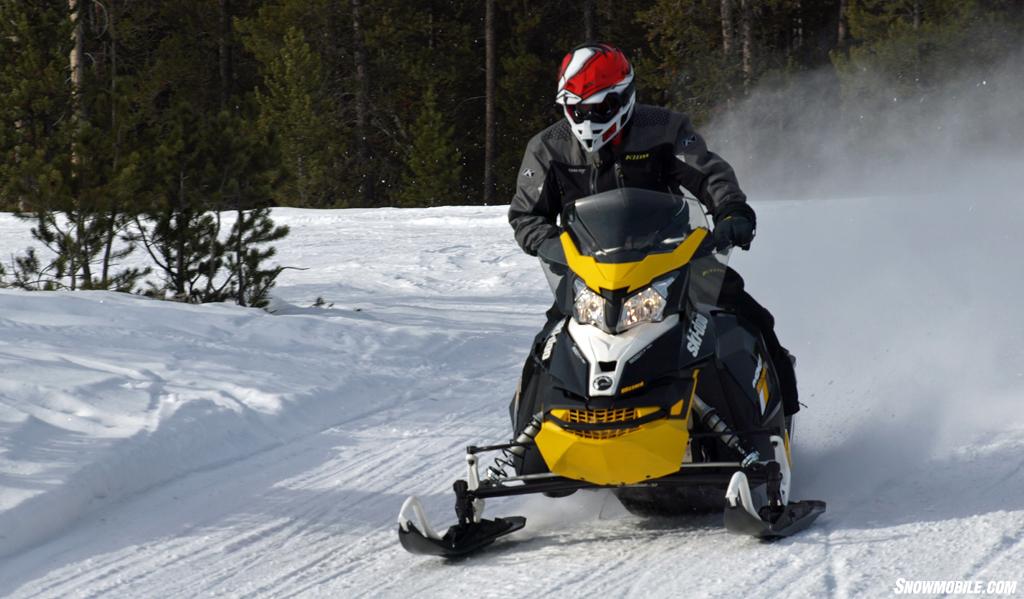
551	250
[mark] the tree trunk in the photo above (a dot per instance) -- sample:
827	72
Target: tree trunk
798	28
77	52
362	107
590	20
918	83
842	32
240	225
76	254
728	36
747	31
490	141
181	224
224	53
113	213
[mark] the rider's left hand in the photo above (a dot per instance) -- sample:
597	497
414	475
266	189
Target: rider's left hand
735	230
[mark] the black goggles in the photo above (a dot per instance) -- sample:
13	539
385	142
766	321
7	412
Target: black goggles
601	112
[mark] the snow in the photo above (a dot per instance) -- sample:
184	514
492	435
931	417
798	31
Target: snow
150	448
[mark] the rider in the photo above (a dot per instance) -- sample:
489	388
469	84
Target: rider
606	141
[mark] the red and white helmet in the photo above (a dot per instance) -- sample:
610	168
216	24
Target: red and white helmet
595	90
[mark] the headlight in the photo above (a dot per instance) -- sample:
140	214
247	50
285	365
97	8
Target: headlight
645	306
589	306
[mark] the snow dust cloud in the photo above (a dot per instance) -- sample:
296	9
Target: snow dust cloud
801	139
895	275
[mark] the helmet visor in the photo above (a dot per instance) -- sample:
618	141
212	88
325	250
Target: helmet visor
599	112
602	112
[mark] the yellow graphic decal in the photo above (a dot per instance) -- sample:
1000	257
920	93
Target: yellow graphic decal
677	409
629	275
762	386
632	387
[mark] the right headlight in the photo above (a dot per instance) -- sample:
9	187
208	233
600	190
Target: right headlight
588	307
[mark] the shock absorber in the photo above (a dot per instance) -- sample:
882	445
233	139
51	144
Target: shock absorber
515	450
709	418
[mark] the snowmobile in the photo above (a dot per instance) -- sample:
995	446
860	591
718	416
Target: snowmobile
645	386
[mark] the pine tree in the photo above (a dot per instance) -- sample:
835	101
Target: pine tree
251	278
247	179
686	68
904	55
904	47
61	169
179	225
434	163
207	156
295	107
442	47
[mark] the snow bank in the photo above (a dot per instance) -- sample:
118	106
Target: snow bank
104	395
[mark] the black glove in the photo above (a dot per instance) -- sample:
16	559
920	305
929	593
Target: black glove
735	230
551	251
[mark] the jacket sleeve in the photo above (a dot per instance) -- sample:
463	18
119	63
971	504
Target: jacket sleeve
707	175
537	202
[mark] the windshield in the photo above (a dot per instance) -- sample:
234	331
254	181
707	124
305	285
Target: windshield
624	225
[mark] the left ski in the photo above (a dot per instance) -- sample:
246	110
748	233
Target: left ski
742	518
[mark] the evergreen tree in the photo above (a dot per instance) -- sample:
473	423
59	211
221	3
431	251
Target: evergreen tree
441	46
903	48
534	40
294	106
247	178
907	55
686	68
434	163
208	156
61	168
179	226
168	114
302	49
251	278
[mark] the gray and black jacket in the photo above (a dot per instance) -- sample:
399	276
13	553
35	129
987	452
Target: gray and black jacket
660	150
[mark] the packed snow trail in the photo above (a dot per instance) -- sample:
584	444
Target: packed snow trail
156	449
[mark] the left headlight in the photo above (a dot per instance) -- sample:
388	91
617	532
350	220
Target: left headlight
647	305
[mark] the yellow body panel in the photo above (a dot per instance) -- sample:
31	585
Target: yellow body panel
629	275
652	450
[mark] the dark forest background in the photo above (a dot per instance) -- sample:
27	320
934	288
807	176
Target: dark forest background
145	125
